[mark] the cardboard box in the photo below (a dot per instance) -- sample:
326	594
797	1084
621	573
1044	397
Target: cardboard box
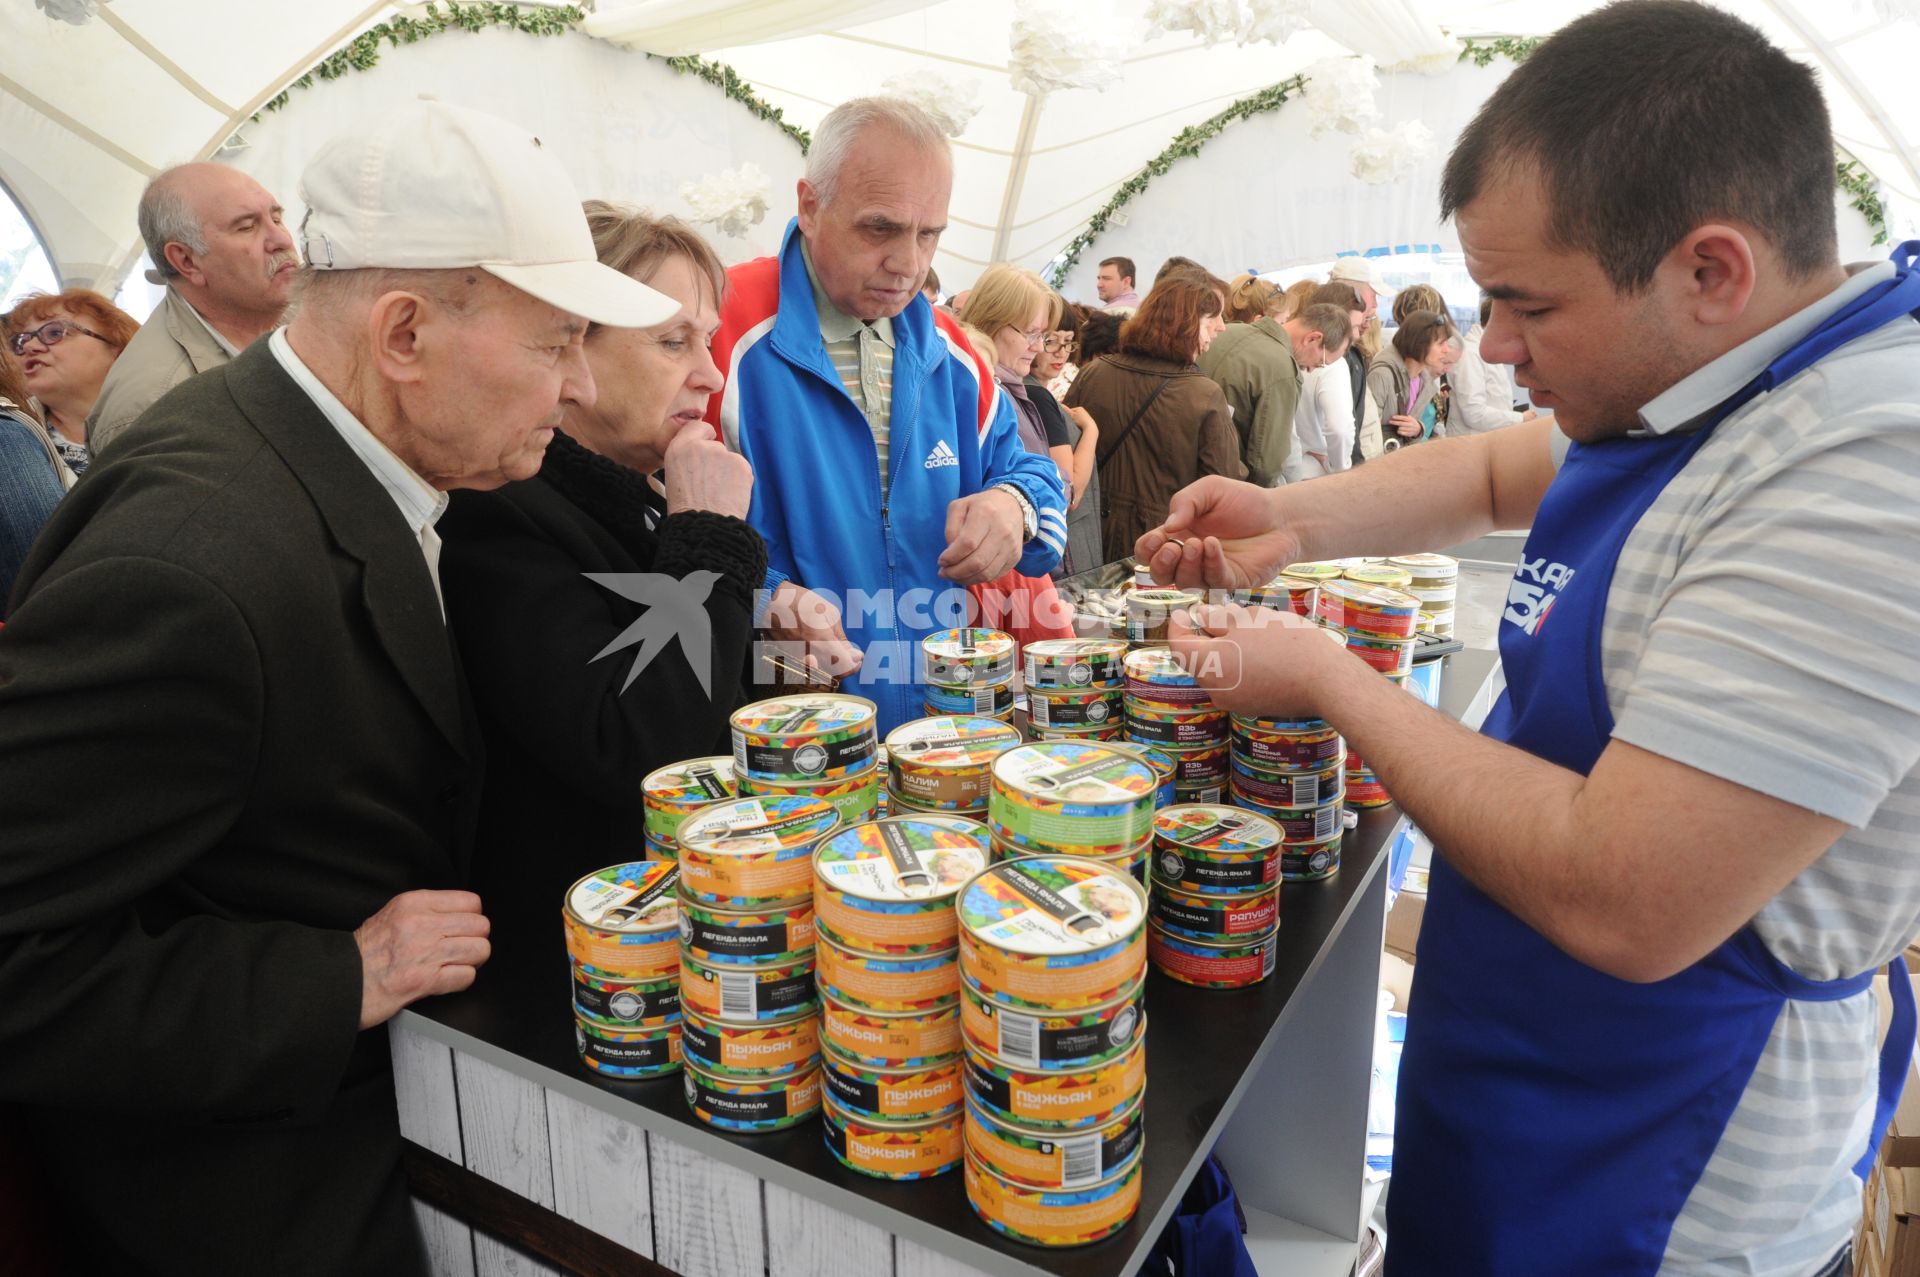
1902	1146
1403	925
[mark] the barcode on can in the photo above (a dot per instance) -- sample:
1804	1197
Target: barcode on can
1266	958
1040	711
1326	821
737	996
1080	1161
1019	1039
1306	791
740	755
983	700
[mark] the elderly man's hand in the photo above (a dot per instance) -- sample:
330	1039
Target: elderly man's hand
419	944
984	536
807	628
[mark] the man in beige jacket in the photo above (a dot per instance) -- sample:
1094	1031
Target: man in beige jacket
216	241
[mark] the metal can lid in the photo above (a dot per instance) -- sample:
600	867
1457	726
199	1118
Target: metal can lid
1214	829
1048	905
1159	665
961	742
1068	651
1392	578
747	826
630	899
1426	564
971	646
1074	772
1238	946
692	782
813	714
1163	598
1316	572
903	858
1374	596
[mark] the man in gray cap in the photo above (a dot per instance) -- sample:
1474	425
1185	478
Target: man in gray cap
235	628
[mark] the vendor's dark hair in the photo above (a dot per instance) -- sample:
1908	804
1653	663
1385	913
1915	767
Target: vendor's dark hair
1648	118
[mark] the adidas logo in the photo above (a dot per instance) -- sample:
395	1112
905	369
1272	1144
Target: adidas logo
941	455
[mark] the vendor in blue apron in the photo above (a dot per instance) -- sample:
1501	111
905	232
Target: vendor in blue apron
1642	1031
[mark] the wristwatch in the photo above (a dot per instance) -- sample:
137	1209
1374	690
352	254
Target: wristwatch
1029	520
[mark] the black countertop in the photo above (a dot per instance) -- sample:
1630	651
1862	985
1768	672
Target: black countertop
1200	1044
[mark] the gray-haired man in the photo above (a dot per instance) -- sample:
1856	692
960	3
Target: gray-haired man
215	238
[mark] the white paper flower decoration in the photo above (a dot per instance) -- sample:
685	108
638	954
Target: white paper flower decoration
1385	155
77	12
731	200
1057	49
1241	21
1340	95
951	103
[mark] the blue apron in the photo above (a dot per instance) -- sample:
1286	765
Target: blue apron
1552	1118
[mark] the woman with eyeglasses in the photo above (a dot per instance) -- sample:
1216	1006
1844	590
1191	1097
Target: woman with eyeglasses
32	476
64	343
1013	308
1048	383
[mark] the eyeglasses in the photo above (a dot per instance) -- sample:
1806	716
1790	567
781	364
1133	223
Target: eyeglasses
1059	345
49	335
1032	336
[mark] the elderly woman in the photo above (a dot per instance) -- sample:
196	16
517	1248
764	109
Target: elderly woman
32	476
65	343
586	683
1017	312
1162	423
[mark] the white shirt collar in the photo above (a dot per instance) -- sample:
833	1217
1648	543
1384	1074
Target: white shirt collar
420	503
1701	391
212	332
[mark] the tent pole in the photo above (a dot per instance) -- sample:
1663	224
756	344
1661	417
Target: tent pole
1017	175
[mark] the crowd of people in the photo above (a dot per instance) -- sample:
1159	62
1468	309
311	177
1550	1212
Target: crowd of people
1206	376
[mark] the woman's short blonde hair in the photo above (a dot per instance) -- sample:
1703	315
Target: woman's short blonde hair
1005	296
637	243
1252	298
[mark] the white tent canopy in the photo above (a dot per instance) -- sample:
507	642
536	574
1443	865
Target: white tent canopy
89	111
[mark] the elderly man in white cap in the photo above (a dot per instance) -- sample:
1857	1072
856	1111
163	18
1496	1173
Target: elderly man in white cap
232	638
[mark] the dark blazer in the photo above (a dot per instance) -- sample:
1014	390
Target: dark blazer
568	739
231	729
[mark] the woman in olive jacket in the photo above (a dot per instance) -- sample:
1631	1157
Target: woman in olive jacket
1162	424
583	685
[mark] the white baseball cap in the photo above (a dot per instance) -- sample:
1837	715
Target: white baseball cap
1358	270
433	186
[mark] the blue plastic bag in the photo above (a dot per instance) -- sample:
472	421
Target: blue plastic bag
1206	1237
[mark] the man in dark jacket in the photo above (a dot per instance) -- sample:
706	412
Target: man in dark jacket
237	764
1364	276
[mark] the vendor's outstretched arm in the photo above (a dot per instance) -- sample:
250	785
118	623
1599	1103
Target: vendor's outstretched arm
1236	535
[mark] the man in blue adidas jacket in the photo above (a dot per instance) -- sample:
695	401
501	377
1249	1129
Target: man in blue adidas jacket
888	472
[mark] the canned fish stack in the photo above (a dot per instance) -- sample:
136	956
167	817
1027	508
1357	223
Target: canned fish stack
1165	769
1053	968
812	745
1075	687
890	981
621	930
1434	579
1214	907
1292	771
944	764
1073	798
1379	625
747	955
968	672
673	793
1169	710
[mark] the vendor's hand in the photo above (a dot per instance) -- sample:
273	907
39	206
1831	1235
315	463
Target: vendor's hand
703	474
420	943
1404	426
1234	538
984	536
1256	660
808	628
